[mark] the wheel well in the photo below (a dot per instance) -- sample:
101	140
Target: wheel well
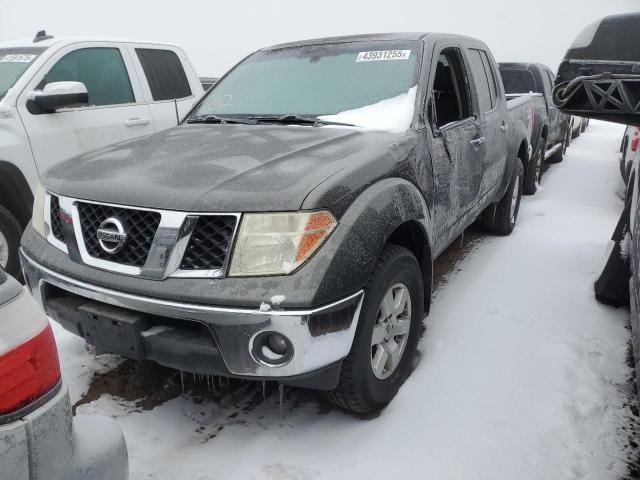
411	236
15	194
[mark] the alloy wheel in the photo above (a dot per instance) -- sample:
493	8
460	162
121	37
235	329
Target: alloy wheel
4	251
391	331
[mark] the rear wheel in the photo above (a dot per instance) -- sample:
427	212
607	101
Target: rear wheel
10	232
501	219
387	335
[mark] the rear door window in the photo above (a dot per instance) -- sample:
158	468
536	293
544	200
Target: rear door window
491	77
481	80
165	74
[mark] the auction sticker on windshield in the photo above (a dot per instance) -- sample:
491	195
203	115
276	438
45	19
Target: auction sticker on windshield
18	58
381	55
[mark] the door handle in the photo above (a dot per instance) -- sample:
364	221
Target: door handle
477	141
504	127
136	121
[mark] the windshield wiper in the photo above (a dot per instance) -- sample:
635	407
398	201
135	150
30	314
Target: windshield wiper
297	120
221	120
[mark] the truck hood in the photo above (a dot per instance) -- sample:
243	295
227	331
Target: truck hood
218	168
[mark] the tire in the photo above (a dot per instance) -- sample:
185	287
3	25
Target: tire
534	172
10	233
502	218
559	155
612	286
360	389
576	133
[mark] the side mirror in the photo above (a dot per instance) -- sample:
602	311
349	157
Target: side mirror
600	74
58	95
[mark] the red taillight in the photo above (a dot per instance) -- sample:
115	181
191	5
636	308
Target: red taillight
635	140
28	371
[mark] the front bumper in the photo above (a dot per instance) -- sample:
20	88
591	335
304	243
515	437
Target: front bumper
199	338
49	444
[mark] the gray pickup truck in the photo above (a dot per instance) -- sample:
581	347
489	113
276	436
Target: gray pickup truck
551	132
286	230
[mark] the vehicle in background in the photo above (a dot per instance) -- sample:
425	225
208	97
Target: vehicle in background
208	82
40	438
599	78
578	126
551	135
628	148
64	97
626	138
288	235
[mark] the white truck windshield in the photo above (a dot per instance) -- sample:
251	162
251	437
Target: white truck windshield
13	63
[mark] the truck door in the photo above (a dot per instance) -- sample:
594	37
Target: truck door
457	145
492	116
115	113
166	83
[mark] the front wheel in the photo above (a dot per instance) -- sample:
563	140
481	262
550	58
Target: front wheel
534	172
387	336
10	232
558	156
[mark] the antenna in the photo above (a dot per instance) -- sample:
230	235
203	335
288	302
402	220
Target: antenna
41	35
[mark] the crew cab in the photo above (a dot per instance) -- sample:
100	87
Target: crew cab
552	133
61	97
287	229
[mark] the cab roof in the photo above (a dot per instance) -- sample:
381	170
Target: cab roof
64	41
370	37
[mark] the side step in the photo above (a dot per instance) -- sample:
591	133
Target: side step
552	150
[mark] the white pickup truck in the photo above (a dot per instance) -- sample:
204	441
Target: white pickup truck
61	97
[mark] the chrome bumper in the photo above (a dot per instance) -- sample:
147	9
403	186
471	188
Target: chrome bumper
320	336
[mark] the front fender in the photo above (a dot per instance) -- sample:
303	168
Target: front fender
383	207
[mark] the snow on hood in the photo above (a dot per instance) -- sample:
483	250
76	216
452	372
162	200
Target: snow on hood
393	114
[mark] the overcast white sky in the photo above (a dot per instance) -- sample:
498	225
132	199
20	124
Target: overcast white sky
217	33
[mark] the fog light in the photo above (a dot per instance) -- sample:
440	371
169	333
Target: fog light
272	349
277	343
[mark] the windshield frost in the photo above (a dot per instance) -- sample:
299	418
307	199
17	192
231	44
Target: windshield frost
13	63
369	84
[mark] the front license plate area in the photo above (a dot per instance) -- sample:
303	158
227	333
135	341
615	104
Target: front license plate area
114	329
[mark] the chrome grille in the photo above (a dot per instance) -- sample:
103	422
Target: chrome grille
141	228
210	243
56	222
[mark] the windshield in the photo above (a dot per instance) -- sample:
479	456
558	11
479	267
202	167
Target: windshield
369	84
13	63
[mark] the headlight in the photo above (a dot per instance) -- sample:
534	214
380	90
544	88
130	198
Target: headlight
37	216
278	243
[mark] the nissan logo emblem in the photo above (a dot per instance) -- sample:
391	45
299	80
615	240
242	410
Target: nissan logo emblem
112	235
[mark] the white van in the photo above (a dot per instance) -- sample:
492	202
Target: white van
60	97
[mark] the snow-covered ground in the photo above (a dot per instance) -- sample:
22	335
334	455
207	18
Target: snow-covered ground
522	373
